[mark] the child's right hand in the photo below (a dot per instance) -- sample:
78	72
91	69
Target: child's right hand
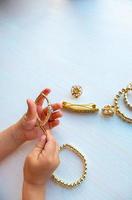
42	161
25	128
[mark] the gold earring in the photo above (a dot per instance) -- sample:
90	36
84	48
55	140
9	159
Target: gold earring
76	91
41	124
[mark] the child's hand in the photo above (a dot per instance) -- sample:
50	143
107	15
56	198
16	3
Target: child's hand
26	126
25	129
42	161
39	166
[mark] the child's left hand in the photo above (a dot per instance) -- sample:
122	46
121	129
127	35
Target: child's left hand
42	161
26	125
39	166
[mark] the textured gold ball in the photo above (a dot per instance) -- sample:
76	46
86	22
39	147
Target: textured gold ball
107	110
76	91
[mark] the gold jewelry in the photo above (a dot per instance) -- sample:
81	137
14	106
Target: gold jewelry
84	173
109	110
76	91
39	122
129	89
80	108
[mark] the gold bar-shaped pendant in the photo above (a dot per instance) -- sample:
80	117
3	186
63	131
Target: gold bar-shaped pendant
81	108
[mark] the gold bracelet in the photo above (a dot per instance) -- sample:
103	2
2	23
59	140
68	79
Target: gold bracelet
129	88
117	107
84	173
109	110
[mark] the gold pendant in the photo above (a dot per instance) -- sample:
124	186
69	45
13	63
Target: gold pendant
76	91
80	108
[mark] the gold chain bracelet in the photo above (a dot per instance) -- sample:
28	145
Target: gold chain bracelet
84	173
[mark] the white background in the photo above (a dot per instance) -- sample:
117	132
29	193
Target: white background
56	44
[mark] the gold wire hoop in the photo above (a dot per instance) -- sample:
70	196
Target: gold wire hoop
39	122
84	173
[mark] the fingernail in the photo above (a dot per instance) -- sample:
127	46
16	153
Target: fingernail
47	90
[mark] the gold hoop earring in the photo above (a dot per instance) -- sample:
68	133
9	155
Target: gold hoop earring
39	122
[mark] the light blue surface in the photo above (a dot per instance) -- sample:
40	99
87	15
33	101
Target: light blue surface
58	43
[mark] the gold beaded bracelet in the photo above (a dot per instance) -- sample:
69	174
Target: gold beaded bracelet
84	173
129	88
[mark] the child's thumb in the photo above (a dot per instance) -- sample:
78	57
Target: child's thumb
31	112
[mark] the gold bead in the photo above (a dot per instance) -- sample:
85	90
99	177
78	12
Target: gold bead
84	176
123	90
107	110
120	92
81	179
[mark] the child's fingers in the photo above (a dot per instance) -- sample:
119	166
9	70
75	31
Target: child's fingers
39	146
56	115
55	107
50	146
40	99
31	112
54	123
